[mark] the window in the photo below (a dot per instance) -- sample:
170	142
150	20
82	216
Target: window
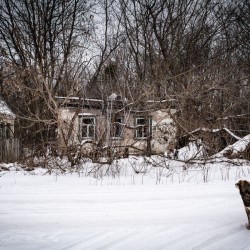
117	127
2	130
5	130
87	126
8	130
143	127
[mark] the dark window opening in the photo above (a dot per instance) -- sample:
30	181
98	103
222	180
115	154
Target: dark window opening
117	127
87	127
5	131
143	127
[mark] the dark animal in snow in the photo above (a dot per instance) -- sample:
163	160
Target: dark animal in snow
244	187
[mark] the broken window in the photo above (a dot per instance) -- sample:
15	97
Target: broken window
87	127
143	127
5	130
117	127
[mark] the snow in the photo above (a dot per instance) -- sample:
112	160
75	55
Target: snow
77	98
112	97
205	130
194	150
86	114
237	147
232	134
115	97
125	210
5	110
215	131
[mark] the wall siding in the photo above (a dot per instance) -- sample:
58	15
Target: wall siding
9	150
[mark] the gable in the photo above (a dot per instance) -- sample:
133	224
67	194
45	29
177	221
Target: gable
5	111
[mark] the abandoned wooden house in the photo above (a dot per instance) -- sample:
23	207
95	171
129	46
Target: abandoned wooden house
117	127
9	145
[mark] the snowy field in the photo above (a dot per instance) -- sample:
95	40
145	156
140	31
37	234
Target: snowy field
129	211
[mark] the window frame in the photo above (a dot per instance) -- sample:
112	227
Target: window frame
115	125
5	130
88	126
138	127
2	130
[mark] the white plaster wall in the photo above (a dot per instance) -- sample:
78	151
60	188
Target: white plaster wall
163	131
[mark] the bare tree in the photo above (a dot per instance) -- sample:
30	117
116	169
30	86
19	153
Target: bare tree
44	44
187	51
193	54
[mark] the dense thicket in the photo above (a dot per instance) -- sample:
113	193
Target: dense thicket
196	53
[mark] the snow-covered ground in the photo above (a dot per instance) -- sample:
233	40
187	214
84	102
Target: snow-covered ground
127	211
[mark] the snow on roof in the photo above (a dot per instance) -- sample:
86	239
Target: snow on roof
112	97
215	131
5	110
116	97
204	130
77	98
161	101
86	114
235	148
232	134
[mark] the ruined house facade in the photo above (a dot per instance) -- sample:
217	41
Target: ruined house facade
116	126
7	118
9	145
